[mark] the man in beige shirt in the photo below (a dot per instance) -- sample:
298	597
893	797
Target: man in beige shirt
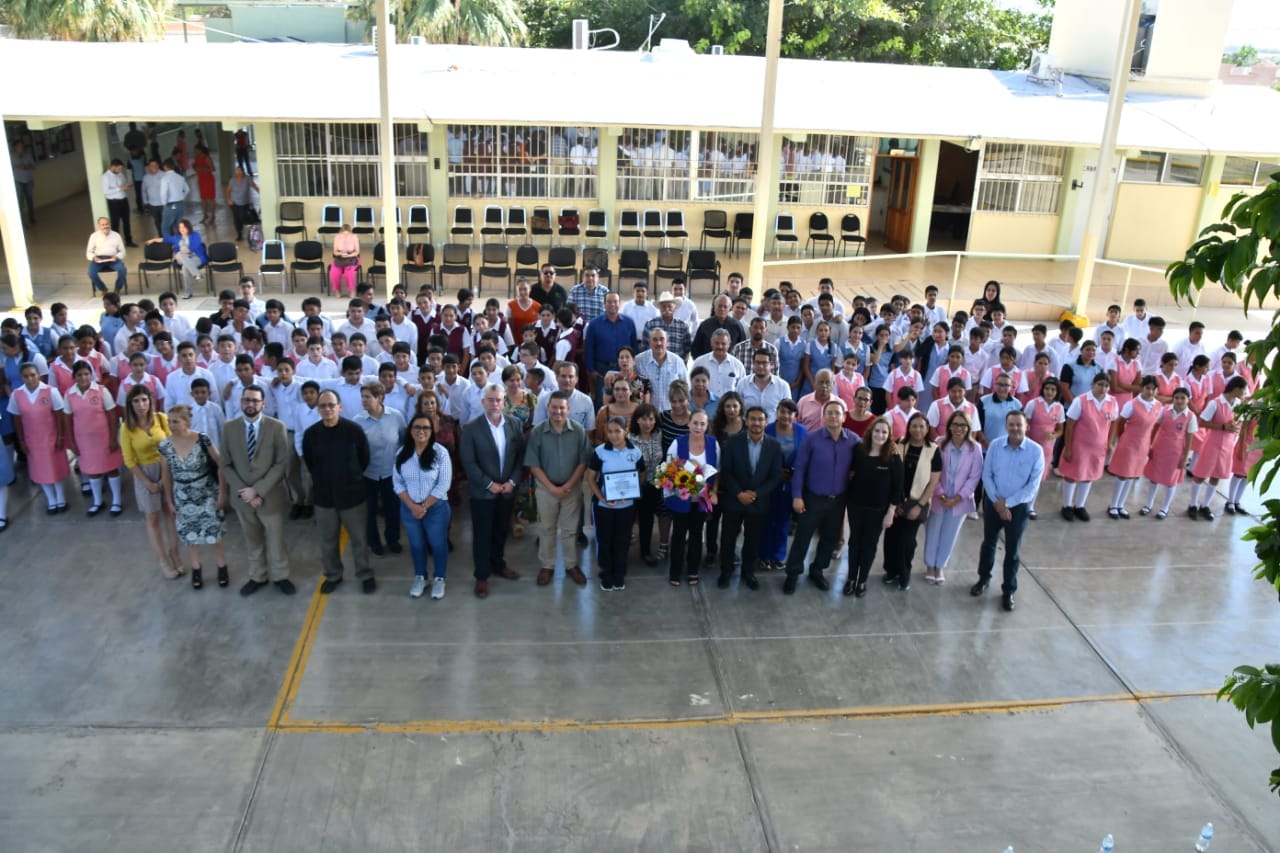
105	252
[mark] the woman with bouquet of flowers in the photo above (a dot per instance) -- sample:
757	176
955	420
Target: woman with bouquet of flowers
688	484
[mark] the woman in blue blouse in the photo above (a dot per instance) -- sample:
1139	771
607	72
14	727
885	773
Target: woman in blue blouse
773	538
613	519
189	255
688	517
822	353
421	479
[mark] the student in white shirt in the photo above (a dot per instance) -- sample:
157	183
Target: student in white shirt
207	416
177	385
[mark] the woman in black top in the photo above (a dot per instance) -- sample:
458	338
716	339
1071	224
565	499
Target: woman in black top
921	470
873	496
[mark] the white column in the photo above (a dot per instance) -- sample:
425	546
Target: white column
926	180
391	243
264	140
16	259
97	153
767	168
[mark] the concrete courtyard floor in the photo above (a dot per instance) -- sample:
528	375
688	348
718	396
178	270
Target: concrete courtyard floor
138	715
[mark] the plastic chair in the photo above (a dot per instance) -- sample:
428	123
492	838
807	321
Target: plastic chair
157	258
464	224
292	220
597	226
851	233
517	222
565	260
633	264
715	224
675	227
382	229
569	222
784	231
415	266
670	266
308	256
223	258
362	219
272	263
652	227
743	228
495	222
599	258
527	262
378	269
629	227
456	261
820	232
419	221
330	222
703	265
540	224
494	263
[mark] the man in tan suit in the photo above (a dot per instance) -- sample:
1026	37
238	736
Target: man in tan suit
255	457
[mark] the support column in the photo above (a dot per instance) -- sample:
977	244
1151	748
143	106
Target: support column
438	182
17	262
607	174
1211	197
767	168
926	180
97	154
387	147
264	138
764	230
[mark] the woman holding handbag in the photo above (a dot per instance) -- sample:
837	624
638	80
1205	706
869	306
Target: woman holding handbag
195	495
346	260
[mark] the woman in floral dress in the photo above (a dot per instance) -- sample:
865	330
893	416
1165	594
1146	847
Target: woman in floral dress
194	492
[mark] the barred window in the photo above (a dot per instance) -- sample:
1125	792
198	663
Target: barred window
1160	167
1016	178
1243	172
522	161
725	165
653	164
826	169
319	159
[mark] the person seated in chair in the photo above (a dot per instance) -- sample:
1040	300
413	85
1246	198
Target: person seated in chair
106	252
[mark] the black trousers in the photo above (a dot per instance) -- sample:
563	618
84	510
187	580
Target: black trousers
613	540
713	530
865	526
239	213
490	522
156	212
822	515
646	511
751	524
900	547
686	542
121	219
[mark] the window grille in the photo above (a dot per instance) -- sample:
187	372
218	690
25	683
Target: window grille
826	169
522	161
1243	172
1160	167
1017	178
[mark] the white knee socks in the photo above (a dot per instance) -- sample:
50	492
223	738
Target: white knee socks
1082	493
50	497
1150	502
96	485
60	492
1236	492
114	483
1168	499
1121	493
4	502
1068	494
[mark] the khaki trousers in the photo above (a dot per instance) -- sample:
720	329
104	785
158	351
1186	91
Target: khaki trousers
557	520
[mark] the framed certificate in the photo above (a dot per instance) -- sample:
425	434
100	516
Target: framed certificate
622	486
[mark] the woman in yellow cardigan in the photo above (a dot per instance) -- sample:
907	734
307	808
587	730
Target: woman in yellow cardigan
140	436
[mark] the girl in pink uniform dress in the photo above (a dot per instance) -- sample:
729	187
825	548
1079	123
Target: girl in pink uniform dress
1088	435
1126	376
1247	454
1170	450
1214	461
95	425
1200	384
1138	419
38	422
1045	417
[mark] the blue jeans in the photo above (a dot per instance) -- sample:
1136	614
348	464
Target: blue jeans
116	266
169	219
380	492
431	530
992	525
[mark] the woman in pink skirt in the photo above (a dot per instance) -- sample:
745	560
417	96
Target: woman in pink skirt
1170	450
1126	376
1214	461
1137	428
1087	436
1045	416
95	426
37	420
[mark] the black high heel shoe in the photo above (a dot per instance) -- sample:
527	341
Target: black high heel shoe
223	577
197	578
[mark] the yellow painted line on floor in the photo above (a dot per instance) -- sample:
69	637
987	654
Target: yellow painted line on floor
863	712
301	652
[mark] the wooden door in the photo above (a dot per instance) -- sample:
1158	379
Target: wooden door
902	202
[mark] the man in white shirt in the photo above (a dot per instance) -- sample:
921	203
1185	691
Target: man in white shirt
358	322
248	292
661	368
175	194
1135	325
132	315
685	309
153	196
725	371
177	385
1154	347
105	251
581	409
640	309
1191	347
115	188
763	387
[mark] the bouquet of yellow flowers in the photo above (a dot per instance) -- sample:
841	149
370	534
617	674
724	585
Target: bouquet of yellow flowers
685	479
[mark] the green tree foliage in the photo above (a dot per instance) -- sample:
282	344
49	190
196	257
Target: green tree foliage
485	22
1242	254
966	33
85	20
1244	57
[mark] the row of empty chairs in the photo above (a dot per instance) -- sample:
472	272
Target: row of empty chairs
158	260
784	231
504	222
293	221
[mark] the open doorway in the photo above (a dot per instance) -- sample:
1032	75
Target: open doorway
896	175
952	203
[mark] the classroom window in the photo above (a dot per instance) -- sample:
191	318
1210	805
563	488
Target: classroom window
1016	178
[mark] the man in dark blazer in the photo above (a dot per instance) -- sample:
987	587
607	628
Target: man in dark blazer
255	480
492	453
750	471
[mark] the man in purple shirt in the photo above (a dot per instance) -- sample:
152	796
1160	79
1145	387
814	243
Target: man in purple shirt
821	475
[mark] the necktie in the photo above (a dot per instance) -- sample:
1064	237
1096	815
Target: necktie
251	440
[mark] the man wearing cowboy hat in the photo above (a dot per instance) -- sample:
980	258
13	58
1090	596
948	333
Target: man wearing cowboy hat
679	336
640	309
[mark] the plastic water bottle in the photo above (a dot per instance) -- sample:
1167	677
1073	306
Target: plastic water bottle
1206	838
1108	844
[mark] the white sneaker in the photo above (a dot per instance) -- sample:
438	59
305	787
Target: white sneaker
437	588
419	586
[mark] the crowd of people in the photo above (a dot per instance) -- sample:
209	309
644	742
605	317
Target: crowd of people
732	441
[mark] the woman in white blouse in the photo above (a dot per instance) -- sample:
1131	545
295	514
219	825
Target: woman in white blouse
421	479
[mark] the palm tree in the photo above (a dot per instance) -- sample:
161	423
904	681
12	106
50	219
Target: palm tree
85	20
486	22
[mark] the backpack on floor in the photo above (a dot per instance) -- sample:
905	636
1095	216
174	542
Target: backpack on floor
254	235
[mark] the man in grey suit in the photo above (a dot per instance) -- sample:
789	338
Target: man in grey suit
750	471
492	454
255	456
